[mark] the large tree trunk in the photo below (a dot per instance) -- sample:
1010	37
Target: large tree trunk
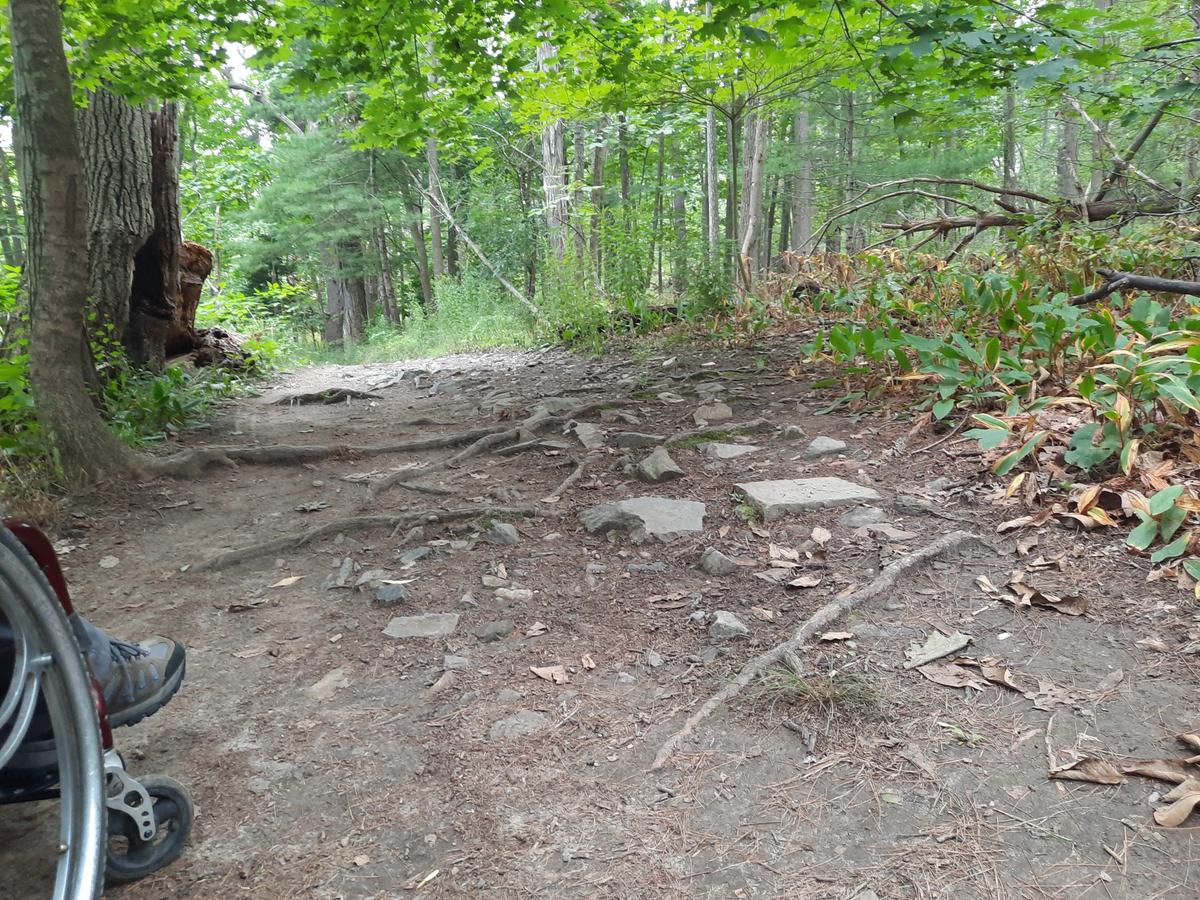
802	198
55	202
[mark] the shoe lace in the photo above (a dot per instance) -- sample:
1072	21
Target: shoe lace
123	652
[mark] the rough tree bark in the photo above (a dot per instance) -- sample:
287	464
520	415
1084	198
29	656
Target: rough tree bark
14	250
435	221
599	155
55	202
802	198
756	154
554	167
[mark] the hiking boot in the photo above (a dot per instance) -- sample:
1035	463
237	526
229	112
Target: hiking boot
136	680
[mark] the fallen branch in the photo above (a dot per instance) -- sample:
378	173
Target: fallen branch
1115	281
356	523
821	619
567	483
329	396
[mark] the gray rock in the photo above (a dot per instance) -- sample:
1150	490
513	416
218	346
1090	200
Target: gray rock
721	451
647	568
654	659
390	594
367	578
864	515
503	533
775	499
521	724
793	433
726	625
625	678
823	446
712	412
508	695
591	436
341	577
468	600
636	440
714	562
645	517
411	556
709	656
494	581
554	405
494	631
258	785
658	467
697	616
455	662
514	595
426	626
939	484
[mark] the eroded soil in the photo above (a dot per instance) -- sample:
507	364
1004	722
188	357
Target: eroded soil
329	760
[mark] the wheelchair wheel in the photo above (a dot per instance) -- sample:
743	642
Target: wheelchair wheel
130	856
46	661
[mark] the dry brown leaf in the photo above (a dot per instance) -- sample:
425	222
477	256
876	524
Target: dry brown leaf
1152	644
1086	522
760	531
787	553
1189	739
287	582
251	651
1173	770
1091	769
1184	787
588	662
993	669
1026	545
821	535
950	675
1088	498
1176	814
805	581
891	531
536	629
763	614
837	636
1028	595
986	585
557	674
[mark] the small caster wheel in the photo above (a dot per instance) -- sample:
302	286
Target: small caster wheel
130	857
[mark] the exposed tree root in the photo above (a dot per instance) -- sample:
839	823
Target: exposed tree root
719	428
356	523
328	397
567	482
822	618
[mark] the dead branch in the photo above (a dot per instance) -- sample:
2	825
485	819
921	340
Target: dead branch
356	523
822	618
567	482
1115	281
1123	162
1134	146
328	397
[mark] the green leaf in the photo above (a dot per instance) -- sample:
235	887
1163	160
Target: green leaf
988	438
1171	550
1170	521
1192	567
1143	536
1165	499
943	408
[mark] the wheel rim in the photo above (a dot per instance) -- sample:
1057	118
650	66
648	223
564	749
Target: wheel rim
47	662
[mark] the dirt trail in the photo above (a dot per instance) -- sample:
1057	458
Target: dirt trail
330	760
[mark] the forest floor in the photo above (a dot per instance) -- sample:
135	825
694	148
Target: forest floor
328	759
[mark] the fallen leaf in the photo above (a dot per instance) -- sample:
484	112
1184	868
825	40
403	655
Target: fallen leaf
1184	787
1190	740
557	674
891	531
361	860
1049	695
1026	545
837	636
246	605
985	584
289	581
109	562
992	669
1090	769
821	535
1173	770
950	675
1028	595
760	531
936	646
1152	644
787	553
536	629
588	662
314	506
1176	814
763	614
805	581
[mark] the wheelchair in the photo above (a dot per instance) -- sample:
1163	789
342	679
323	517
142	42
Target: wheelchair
55	740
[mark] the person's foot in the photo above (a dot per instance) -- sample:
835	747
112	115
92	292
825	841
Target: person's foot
140	679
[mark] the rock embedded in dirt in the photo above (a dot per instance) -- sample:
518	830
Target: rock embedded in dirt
391	594
697	616
411	556
508	695
503	533
423	626
494	631
494	581
455	662
328	686
776	499
653	568
658	467
726	625
554	405
637	440
712	412
625	678
716	563
514	595
654	659
521	724
823	446
646	517
793	433
591	436
721	451
863	515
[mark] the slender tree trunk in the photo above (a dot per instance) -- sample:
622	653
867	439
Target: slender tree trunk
14	252
732	140
655	231
435	221
802	199
679	266
55	203
599	154
417	233
387	284
578	179
336	297
554	167
1009	156
216	245
1067	158
755	166
712	199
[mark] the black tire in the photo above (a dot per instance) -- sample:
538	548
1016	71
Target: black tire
129	857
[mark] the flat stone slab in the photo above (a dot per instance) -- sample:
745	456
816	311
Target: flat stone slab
718	450
644	517
775	499
428	625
